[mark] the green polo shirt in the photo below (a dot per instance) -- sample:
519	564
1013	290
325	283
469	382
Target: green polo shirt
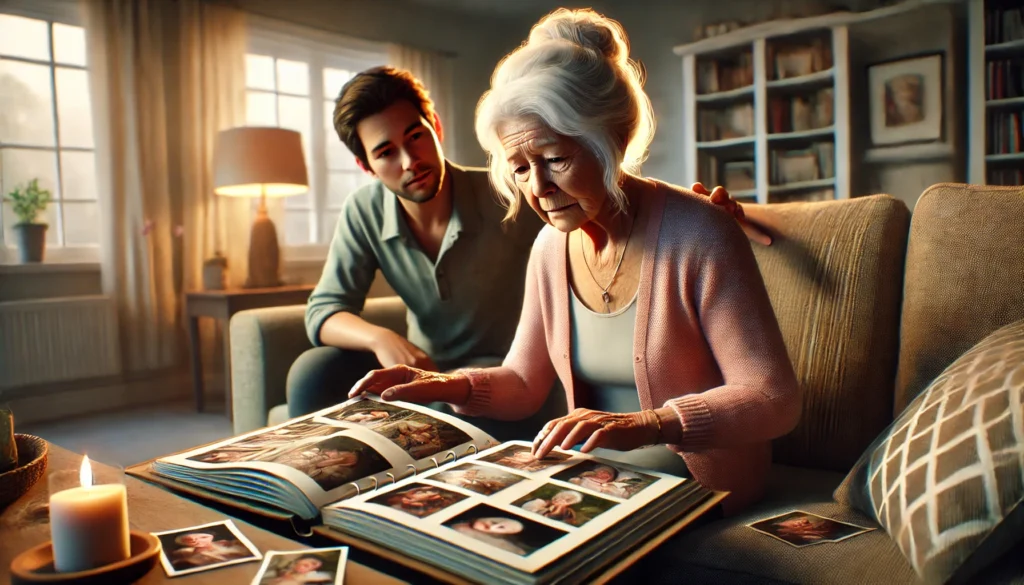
463	306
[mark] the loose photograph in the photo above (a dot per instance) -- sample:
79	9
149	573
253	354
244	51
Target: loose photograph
420	500
204	547
323	566
504	530
606	479
519	457
334	462
801	529
565	505
478	478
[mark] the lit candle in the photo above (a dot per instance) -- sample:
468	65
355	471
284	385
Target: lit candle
89	524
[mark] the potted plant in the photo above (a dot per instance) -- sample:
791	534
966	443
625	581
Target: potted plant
31	236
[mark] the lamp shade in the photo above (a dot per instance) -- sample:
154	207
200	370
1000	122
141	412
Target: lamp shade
253	161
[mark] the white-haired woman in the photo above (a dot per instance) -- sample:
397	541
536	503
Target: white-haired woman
641	297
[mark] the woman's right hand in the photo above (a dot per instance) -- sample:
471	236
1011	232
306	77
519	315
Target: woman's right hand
414	385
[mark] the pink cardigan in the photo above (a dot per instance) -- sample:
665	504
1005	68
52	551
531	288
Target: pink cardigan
706	343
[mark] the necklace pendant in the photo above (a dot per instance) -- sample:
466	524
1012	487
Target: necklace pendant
606	297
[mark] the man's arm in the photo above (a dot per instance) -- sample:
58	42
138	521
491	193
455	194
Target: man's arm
332	314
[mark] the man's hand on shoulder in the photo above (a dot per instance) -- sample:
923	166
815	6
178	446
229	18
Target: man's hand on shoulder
392	349
720	197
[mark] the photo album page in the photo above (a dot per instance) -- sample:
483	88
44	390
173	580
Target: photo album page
320	455
509	507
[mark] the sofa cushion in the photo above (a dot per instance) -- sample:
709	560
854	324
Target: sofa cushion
728	552
834	275
963	278
946	480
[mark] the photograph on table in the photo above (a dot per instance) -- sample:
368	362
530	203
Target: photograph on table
563	504
367	413
606	479
420	500
205	547
800	529
519	457
478	478
421	436
233	454
287	434
322	566
504	530
334	462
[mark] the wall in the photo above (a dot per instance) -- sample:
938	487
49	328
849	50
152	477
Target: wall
474	43
927	30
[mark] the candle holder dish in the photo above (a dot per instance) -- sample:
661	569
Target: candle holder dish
36	565
32	457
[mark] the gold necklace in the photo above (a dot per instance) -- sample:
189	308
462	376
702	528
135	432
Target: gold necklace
607	298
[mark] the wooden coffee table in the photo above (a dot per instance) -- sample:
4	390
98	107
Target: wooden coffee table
25	524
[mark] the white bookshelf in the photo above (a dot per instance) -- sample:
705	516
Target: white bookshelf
981	161
758	39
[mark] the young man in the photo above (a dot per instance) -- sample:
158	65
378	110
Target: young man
434	230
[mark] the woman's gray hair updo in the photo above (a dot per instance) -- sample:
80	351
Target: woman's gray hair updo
574	74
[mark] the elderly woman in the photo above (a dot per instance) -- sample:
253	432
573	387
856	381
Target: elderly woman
641	297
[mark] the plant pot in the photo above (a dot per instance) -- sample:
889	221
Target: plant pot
31	239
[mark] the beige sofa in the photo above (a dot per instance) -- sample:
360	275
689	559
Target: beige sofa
873	305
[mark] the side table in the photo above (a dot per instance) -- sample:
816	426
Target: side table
221	305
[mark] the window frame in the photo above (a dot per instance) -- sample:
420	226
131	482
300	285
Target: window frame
319	50
53	12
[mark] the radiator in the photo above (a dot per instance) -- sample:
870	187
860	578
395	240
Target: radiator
59	339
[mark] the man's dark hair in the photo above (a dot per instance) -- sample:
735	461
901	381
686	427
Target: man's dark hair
371	92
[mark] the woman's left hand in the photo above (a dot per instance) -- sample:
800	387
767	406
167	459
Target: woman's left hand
720	197
609	430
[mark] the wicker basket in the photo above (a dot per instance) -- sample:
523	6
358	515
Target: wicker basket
32	453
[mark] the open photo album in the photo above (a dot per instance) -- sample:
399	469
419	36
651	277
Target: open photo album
436	489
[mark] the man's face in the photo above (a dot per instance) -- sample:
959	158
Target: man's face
404	151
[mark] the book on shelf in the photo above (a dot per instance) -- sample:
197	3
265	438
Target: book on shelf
801	165
739	175
788	60
1003	25
735	121
798	113
1005	130
1004	78
718	75
1008	177
437	490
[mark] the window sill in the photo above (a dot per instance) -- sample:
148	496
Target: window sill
49	267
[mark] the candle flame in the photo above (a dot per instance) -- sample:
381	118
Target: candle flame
85	475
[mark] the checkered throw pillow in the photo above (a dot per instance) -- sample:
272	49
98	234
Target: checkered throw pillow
946	479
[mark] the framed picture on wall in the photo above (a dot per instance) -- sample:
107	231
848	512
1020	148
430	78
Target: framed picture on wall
906	100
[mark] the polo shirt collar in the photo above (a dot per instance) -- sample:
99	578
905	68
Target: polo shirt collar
465	212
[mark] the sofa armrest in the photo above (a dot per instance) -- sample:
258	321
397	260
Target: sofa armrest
266	342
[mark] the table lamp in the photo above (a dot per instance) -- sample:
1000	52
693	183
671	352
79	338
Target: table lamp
260	162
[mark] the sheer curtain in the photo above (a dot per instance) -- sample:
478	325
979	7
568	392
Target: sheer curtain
167	76
436	72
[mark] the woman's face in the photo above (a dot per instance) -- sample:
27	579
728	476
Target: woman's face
306	565
560	178
197	539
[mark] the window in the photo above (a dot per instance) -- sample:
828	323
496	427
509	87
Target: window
46	131
292	83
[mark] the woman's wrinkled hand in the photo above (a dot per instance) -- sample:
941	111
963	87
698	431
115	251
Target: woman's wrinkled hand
593	428
720	197
413	385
